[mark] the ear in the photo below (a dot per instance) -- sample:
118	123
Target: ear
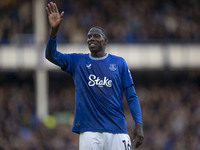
105	41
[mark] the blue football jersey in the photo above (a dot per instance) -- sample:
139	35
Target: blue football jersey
99	85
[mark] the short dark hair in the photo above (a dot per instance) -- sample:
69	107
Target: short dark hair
102	30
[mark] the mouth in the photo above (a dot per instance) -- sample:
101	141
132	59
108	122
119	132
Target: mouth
92	44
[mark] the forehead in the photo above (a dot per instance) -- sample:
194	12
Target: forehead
95	31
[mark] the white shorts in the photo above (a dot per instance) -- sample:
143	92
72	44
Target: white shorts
104	141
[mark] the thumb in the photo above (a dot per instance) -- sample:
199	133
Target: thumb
134	136
134	139
62	14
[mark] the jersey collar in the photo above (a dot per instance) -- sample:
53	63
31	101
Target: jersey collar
101	58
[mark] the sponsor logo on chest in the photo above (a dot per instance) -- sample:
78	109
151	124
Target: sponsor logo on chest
94	80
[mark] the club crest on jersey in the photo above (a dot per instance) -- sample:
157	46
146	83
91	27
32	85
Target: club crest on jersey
88	66
94	80
113	67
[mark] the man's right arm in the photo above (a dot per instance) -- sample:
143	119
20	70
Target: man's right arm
55	20
53	55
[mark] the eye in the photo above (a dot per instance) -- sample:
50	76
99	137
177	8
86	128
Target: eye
97	36
89	36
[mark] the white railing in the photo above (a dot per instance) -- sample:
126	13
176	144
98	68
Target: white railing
138	56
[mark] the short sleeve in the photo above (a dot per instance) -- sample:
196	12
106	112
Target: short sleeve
126	75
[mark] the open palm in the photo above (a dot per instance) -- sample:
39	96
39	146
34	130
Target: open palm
54	17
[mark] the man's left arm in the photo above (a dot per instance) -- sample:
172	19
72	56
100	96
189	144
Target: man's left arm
135	109
133	103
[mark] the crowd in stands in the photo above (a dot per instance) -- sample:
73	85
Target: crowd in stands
16	23
125	21
170	116
20	128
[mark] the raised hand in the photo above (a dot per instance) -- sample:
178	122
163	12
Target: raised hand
54	18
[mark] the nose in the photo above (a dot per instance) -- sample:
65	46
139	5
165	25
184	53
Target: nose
91	38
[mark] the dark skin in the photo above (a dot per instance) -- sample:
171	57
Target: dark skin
97	42
138	135
54	17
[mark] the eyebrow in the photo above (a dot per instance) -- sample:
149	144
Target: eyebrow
94	34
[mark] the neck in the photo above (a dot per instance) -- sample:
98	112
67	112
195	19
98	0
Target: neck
98	54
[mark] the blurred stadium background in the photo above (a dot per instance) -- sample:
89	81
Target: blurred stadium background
159	39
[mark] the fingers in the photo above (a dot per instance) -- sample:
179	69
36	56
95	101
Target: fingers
137	145
55	7
51	8
138	141
47	10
